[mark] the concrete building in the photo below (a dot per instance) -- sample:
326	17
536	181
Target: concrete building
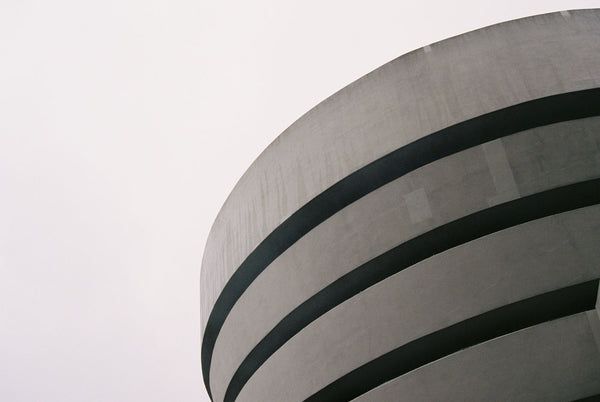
429	232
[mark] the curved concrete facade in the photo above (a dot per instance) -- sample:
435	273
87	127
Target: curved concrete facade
430	232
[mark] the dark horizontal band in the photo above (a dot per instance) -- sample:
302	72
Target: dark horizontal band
593	398
433	242
492	324
453	139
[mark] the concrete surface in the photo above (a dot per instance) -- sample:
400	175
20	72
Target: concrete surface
403	101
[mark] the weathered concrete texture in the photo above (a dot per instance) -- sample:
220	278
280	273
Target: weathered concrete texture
404	100
456	186
465	77
462	282
512	369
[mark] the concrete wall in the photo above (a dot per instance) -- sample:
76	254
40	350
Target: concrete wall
418	94
513	362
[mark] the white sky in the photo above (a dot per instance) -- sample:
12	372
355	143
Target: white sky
123	127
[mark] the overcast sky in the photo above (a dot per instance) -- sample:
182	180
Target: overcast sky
123	127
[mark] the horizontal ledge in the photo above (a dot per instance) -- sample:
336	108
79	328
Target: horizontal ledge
492	324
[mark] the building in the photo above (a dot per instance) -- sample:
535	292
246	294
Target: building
429	232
